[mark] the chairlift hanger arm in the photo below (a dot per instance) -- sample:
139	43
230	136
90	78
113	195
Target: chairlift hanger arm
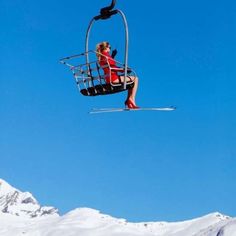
106	13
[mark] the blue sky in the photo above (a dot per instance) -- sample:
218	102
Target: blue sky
142	166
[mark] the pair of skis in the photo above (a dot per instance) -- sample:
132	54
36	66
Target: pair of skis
106	110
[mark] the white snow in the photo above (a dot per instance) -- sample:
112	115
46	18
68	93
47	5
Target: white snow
14	221
5	188
15	202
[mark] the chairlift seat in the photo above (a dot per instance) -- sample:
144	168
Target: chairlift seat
90	77
105	89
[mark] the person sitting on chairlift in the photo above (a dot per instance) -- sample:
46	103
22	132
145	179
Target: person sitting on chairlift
107	62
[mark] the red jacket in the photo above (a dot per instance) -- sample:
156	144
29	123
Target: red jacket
110	74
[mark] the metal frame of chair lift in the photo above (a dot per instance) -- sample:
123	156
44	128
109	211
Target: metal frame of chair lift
89	75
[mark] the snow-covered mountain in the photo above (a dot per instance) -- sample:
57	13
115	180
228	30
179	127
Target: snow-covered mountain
19	203
20	214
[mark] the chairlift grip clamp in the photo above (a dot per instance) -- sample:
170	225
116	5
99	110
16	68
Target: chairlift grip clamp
107	12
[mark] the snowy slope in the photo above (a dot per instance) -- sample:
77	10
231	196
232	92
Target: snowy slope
16	219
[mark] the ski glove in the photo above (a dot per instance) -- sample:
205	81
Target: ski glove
113	54
129	70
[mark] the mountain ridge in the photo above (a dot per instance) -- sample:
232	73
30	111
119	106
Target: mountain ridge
15	202
21	214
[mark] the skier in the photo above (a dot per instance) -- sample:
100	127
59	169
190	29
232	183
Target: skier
103	53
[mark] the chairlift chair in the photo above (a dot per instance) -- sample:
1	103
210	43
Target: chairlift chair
88	73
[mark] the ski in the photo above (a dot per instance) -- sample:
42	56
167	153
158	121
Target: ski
106	110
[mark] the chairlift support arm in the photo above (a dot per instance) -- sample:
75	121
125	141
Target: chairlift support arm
106	13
